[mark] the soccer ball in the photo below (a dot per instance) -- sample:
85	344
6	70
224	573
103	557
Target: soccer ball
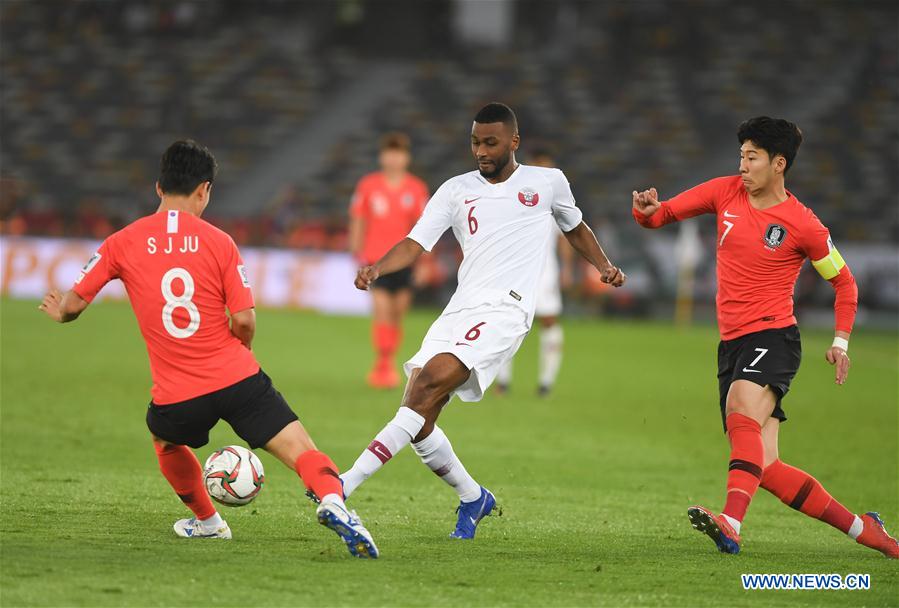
233	476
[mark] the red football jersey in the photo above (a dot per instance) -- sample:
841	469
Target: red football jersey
389	212
760	253
180	274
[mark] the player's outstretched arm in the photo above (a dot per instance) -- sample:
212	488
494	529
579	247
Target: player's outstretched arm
63	307
584	242
650	212
402	255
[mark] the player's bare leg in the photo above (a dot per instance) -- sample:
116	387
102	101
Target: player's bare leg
179	465
748	407
551	338
799	490
294	447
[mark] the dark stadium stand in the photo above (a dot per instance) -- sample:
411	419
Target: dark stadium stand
626	95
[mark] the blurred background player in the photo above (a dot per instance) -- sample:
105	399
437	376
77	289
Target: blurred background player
764	237
182	274
385	206
556	277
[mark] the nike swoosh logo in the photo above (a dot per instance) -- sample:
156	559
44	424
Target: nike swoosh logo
473	521
462	344
729	214
469	201
752	371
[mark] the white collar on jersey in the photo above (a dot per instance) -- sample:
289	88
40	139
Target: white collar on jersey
508	179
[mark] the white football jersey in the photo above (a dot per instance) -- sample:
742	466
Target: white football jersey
504	229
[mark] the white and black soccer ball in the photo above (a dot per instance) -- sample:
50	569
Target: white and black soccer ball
233	476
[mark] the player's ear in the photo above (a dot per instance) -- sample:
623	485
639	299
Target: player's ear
780	164
516	141
202	190
159	190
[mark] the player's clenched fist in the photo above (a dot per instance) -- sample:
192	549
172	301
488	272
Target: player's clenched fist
613	276
647	202
365	277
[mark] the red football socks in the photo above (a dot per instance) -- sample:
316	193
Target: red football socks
747	456
181	468
319	473
386	339
802	492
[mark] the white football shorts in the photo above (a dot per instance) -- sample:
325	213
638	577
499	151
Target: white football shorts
483	338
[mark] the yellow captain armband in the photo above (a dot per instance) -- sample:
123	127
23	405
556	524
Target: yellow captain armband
830	265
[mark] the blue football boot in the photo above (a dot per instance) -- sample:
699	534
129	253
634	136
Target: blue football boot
471	513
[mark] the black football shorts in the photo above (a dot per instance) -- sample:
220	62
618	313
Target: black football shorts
395	281
254	409
768	358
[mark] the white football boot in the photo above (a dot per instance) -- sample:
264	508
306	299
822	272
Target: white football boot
192	528
333	514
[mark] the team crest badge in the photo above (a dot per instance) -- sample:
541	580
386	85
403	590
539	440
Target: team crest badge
528	197
775	235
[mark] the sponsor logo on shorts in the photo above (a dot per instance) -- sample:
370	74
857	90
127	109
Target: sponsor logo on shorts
515	295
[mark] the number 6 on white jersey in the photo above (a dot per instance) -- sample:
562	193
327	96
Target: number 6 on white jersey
183	301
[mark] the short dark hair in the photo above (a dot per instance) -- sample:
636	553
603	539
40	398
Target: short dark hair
184	166
774	135
396	140
497	112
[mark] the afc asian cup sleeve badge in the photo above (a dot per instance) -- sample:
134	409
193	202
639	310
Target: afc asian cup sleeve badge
528	197
242	273
88	267
775	234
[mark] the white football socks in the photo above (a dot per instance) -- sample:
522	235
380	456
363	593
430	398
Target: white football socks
436	452
551	339
212	523
398	433
856	528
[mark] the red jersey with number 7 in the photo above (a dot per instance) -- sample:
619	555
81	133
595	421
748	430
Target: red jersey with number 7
181	273
760	254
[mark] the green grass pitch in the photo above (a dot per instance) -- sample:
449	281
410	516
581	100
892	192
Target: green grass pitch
594	482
